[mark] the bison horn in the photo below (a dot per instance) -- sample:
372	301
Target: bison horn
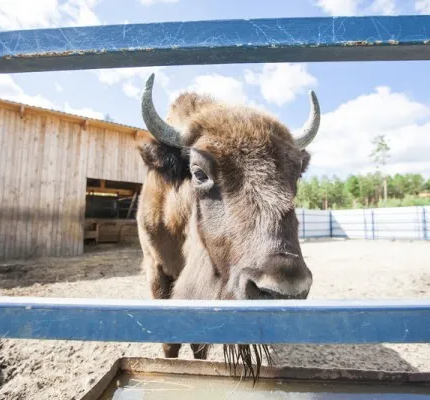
162	131
310	129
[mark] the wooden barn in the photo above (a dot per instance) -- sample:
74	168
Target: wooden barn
65	179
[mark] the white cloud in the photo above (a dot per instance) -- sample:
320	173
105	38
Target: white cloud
224	88
17	14
384	7
117	75
131	90
280	83
344	140
356	7
338	7
132	79
10	90
422	6
151	2
80	12
58	87
84	112
25	14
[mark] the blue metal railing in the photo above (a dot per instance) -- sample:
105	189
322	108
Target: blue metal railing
175	321
217	42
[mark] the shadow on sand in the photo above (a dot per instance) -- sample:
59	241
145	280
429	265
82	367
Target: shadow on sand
101	262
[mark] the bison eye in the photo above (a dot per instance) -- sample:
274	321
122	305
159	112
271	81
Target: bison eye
199	175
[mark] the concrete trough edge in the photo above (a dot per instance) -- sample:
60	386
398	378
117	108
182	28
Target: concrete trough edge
141	365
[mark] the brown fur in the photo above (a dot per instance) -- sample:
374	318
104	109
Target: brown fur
236	237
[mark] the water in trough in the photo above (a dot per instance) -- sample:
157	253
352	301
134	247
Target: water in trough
181	387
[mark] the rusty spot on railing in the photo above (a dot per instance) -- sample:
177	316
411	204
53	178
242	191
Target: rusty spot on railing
358	43
367	43
68	53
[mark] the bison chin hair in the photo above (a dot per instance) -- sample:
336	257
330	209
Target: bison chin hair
249	357
244	358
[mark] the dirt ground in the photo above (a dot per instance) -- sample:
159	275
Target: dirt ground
31	369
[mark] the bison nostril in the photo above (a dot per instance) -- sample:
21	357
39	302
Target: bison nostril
254	292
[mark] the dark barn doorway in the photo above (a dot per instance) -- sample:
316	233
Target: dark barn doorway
110	211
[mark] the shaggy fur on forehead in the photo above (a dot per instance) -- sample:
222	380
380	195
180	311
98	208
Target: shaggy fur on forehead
229	127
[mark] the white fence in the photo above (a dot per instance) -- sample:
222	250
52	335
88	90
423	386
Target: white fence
377	223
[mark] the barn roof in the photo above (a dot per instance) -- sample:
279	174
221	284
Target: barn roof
23	108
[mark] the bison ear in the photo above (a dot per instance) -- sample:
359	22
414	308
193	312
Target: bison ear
166	160
306	158
152	155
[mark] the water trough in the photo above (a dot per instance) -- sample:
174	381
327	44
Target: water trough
176	379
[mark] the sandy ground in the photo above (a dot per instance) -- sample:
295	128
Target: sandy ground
31	369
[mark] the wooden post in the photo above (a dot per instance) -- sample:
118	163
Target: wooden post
131	204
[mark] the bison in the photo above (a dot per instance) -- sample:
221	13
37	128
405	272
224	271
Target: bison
216	216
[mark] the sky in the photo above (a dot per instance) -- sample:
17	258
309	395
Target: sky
358	100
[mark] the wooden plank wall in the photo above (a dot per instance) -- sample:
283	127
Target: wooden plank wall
44	163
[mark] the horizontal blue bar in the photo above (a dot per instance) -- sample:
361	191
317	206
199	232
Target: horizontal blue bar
217	42
167	321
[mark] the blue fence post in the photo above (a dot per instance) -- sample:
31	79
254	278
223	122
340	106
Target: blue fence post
373	223
331	223
303	223
365	224
424	220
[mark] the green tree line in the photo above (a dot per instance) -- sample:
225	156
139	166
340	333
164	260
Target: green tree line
362	191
